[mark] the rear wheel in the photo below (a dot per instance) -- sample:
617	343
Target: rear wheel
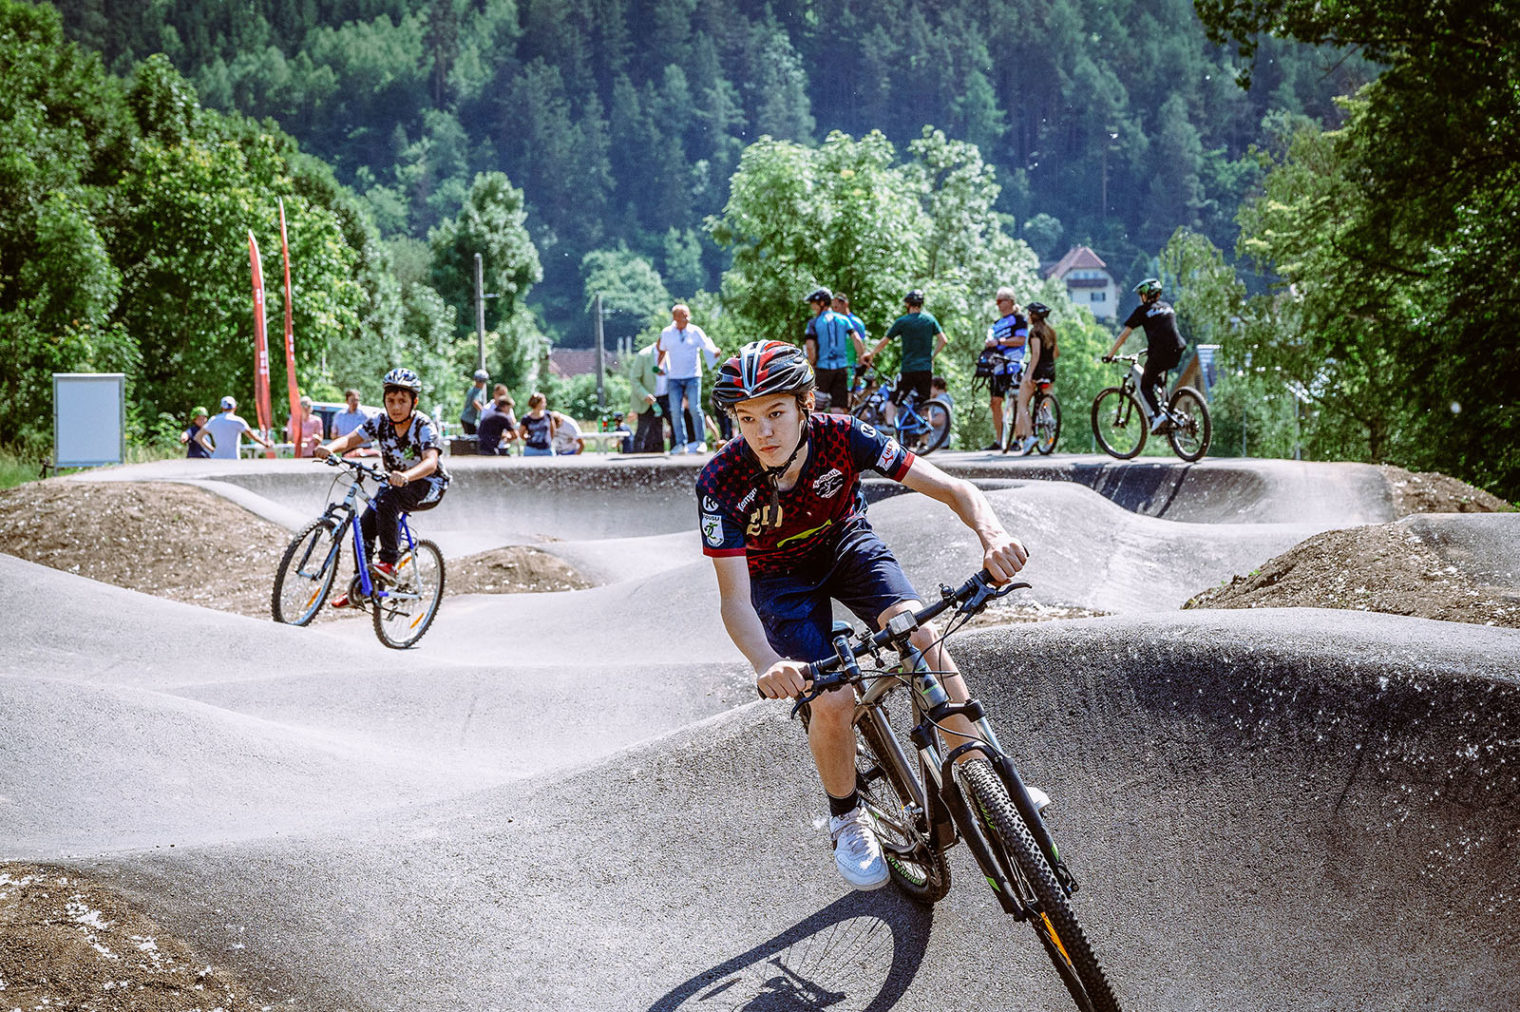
938	417
409	604
893	793
1047	422
1054	922
306	573
1118	423
1191	426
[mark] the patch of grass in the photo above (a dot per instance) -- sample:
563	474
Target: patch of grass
20	465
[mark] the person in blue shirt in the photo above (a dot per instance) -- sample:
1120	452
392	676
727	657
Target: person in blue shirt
842	307
830	339
1008	335
193	446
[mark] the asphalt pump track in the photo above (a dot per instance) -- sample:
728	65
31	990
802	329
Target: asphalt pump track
571	800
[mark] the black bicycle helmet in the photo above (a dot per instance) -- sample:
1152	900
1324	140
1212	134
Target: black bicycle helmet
1038	309
760	369
820	295
403	379
914	298
1147	287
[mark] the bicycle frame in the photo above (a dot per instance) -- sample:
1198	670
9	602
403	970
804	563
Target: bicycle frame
349	512
949	813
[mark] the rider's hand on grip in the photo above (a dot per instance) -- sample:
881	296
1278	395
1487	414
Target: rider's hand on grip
784	680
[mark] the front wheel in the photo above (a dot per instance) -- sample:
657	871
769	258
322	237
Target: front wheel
933	431
1047	423
1118	422
1191	426
894	795
306	572
1053	919
403	614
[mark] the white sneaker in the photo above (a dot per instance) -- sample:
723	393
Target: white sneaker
1039	797
1159	422
1029	443
857	852
696	447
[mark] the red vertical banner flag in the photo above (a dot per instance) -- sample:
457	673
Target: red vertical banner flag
260	344
292	386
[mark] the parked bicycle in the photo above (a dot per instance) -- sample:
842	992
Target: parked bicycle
1121	425
402	609
922	428
921	809
1045	412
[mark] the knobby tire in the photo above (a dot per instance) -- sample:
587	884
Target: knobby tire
1054	922
1192	428
1047	429
923	876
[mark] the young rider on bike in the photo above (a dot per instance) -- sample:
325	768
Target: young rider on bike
410	448
1164	345
784	522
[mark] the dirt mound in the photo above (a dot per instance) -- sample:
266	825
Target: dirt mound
1432	492
66	942
186	544
1384	567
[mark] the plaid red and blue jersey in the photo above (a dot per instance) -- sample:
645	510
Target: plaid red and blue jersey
733	495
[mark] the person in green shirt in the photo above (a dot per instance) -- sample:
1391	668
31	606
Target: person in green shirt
922	339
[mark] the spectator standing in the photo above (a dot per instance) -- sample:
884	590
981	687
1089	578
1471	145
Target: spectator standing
1008	336
537	428
223	435
305	431
567	441
842	307
496	425
1040	354
681	348
643	401
350	419
475	399
922	339
828	341
193	447
625	445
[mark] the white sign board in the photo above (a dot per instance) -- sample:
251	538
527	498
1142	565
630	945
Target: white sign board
89	418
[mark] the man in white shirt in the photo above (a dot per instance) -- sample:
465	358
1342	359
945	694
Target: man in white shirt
223	435
680	349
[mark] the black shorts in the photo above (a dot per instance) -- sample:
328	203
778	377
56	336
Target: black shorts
835	383
918	382
1000	383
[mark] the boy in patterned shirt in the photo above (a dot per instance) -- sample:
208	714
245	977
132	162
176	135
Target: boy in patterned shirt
783	519
411	450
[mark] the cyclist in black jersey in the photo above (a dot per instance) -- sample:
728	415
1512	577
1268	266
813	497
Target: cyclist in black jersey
783	519
1164	345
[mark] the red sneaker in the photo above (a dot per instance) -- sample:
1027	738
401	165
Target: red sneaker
342	601
385	570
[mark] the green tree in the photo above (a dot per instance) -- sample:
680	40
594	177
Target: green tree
633	295
492	222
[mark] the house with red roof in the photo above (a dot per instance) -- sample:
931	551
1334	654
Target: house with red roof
1088	282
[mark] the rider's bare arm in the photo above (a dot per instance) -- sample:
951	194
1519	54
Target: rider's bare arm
940	340
1002	554
340	445
424	467
1119	342
776	677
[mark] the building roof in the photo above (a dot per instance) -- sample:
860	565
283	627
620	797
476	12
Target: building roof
566	362
1078	258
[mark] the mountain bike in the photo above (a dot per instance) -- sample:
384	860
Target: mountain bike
920	812
921	428
402	608
1045	411
1121	424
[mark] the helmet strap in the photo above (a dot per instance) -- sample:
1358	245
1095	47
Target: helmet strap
772	475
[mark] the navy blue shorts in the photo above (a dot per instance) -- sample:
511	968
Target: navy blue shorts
795	608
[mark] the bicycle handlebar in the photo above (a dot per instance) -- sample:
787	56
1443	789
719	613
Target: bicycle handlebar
333	460
969	599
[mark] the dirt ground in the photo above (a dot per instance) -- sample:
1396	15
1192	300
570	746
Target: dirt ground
187	544
68	943
1381	567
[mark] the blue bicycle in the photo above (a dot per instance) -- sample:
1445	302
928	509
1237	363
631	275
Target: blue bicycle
922	428
402	608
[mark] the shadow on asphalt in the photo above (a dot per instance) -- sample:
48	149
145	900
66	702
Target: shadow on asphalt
860	952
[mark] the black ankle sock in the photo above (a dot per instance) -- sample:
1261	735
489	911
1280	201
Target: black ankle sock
843	806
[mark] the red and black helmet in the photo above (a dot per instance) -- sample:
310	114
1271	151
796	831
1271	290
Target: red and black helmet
762	368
